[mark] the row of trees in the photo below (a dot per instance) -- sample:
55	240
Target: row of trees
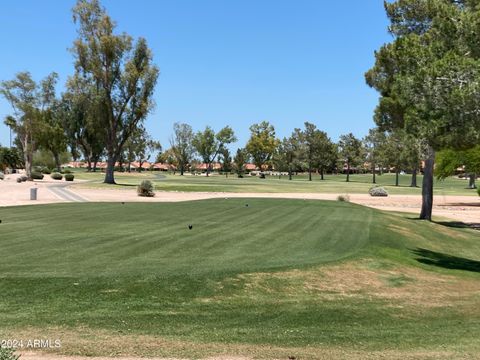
308	149
428	79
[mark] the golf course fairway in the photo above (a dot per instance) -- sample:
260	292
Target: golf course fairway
256	277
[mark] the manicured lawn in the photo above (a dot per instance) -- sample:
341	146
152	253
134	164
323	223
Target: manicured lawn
274	278
359	184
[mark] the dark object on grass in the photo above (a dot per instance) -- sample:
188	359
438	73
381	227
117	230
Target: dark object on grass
190	226
262	176
69	177
0	221
123	202
292	358
246	205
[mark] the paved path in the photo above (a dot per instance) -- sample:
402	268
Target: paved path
65	194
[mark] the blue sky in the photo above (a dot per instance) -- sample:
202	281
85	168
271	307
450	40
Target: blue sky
223	62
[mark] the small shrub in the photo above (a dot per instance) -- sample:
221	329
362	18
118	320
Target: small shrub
2	176
67	171
46	171
56	176
37	175
146	189
8	354
23	178
19	179
69	177
262	176
377	191
343	198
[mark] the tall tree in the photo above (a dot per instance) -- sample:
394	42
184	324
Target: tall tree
140	147
350	150
30	102
181	145
239	161
428	78
262	143
288	153
82	107
209	145
122	72
374	150
51	133
225	160
317	147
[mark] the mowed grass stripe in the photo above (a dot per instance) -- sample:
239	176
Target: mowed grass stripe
248	275
72	239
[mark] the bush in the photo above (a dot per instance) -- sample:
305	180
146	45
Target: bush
145	189
8	354
66	171
23	178
377	191
2	176
37	175
56	176
19	179
343	198
46	171
262	176
69	177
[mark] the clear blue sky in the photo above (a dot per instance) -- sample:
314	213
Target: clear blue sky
223	62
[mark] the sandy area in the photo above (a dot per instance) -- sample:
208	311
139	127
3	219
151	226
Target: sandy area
459	208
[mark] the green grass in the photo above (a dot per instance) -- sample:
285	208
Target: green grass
359	184
246	280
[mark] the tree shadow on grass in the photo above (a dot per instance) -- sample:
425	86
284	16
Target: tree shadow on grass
459	224
446	261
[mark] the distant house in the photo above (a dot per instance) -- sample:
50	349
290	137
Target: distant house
163	167
213	166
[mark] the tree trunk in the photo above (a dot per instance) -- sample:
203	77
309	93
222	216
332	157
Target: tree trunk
309	173
95	165
348	172
321	174
396	176
109	172
374	180
290	173
414	178
181	169
427	187
471	181
27	156
57	161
